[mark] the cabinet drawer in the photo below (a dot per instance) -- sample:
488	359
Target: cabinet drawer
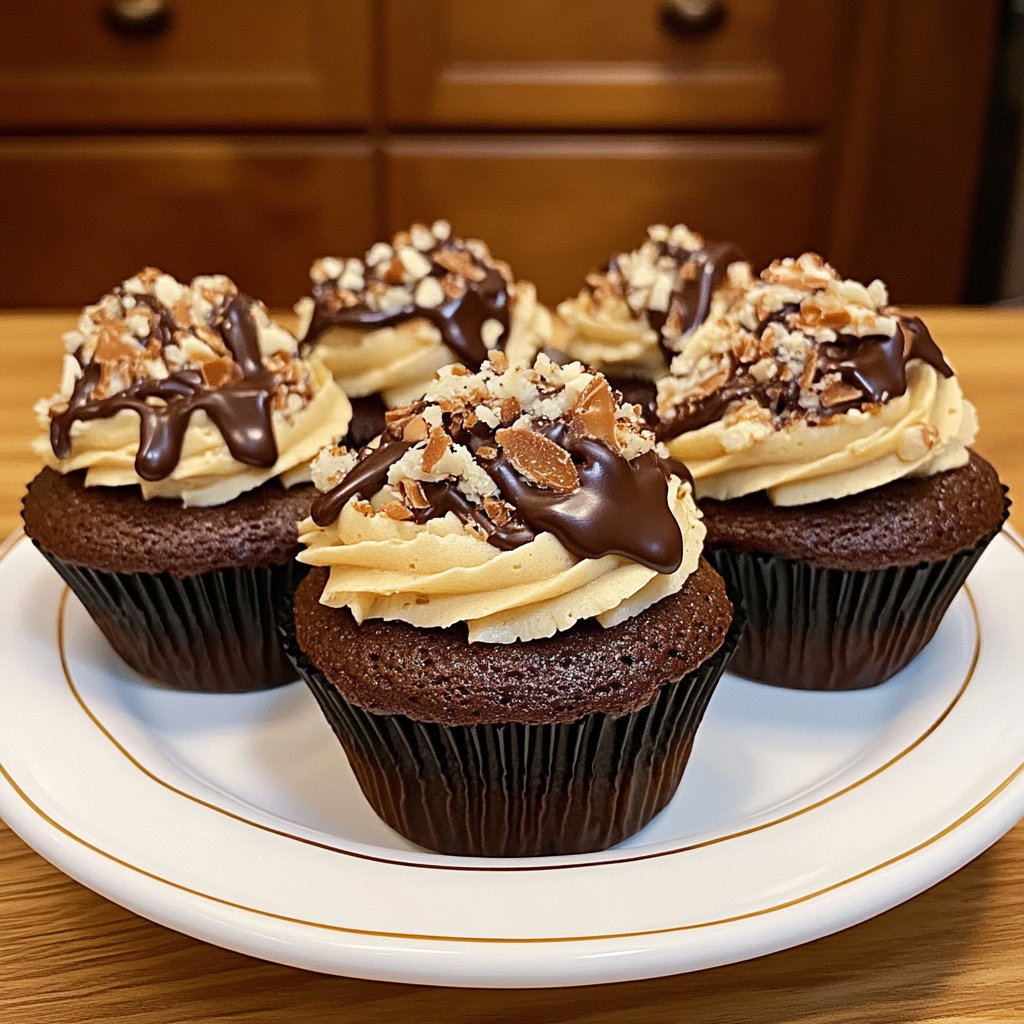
78	216
557	207
560	63
225	63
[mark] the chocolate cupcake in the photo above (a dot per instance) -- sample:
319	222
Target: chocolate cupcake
827	437
178	455
512	630
632	317
384	324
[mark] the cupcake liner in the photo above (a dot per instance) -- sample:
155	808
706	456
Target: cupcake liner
810	628
516	790
214	632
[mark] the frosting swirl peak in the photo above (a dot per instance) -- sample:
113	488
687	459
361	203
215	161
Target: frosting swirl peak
542	464
156	366
811	387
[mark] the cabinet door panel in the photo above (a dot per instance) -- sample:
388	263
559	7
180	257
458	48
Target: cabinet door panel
557	207
224	63
559	63
80	215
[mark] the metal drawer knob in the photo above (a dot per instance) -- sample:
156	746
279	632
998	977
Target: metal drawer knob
692	17
137	18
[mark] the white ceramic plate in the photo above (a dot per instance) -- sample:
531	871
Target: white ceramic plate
236	818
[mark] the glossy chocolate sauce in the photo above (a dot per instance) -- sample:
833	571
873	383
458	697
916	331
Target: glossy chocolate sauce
620	507
459	320
876	365
690	300
364	479
240	410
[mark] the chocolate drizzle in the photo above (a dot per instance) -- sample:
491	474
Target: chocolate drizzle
240	410
690	300
878	365
620	507
459	319
875	365
364	480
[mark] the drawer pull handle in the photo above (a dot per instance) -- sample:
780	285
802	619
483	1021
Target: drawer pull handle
692	17
137	18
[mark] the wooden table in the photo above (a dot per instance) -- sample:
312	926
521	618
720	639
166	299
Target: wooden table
954	953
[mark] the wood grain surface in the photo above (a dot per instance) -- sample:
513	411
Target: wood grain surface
954	953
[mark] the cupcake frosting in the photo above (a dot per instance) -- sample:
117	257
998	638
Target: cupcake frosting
812	387
425	299
517	500
188	391
632	317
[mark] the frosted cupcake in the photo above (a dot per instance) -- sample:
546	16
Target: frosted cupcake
511	628
384	324
828	437
178	452
632	317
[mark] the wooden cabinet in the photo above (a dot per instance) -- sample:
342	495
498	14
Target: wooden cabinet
82	214
224	63
555	130
555	208
609	63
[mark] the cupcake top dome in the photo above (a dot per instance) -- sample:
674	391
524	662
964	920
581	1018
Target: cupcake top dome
516	499
633	316
811	387
188	391
444	299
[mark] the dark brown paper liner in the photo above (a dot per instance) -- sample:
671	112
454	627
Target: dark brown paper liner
214	632
810	628
519	790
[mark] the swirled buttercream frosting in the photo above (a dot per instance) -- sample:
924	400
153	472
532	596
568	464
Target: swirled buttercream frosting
812	387
633	316
188	391
424	299
517	499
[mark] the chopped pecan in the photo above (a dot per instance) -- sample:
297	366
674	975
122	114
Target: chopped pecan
415	429
396	510
460	263
498	360
509	411
485	451
413	494
218	372
810	368
838	392
594	413
496	511
363	508
436	447
541	461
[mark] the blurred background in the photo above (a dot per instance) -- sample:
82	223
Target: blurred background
250	136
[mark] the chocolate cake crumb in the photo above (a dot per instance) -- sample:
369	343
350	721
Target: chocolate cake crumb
906	522
115	530
436	675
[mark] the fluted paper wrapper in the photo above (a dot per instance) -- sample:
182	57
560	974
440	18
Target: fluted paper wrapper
517	790
810	628
215	632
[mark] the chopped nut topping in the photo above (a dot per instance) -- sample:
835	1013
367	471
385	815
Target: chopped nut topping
436	447
785	341
541	461
396	510
152	326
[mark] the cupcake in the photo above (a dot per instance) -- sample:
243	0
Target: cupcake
631	318
384	324
510	626
177	467
828	437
